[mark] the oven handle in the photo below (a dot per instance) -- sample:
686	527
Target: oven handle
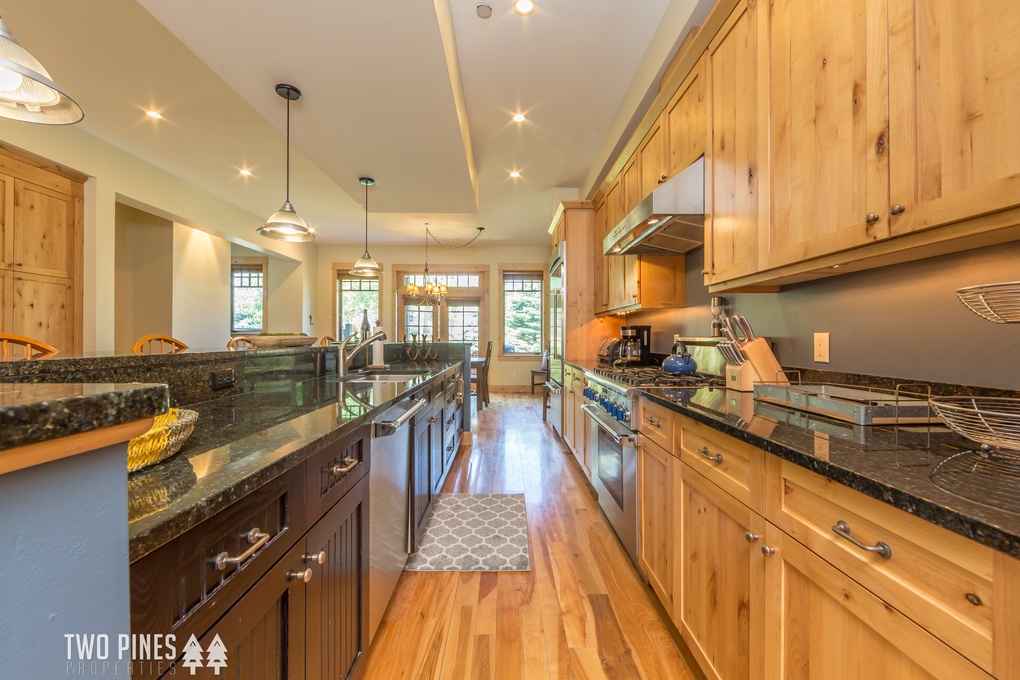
628	440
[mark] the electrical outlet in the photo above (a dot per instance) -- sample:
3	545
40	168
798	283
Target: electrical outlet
822	348
222	379
515	375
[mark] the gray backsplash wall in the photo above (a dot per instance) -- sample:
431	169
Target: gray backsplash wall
902	321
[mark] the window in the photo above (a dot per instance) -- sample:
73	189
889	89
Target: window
522	312
355	295
461	317
419	321
247	297
463	322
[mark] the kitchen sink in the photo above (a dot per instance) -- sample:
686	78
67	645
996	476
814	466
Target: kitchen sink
386	377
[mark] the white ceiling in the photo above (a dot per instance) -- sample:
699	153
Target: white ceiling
418	95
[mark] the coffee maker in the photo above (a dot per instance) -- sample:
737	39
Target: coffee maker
635	346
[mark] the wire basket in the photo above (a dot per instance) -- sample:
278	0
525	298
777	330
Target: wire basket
167	435
997	302
994	421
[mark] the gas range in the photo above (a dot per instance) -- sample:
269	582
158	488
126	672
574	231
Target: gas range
654	376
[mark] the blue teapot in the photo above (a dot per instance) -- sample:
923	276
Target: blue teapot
680	361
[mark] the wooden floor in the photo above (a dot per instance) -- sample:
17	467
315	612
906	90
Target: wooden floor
581	612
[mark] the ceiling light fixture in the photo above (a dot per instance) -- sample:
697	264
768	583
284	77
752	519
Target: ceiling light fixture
246	173
515	174
153	114
483	11
285	224
524	7
366	266
26	91
432	293
519	118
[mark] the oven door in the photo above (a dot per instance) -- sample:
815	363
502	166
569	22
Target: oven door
614	474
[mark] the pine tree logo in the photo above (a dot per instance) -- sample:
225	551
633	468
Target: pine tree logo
216	655
193	655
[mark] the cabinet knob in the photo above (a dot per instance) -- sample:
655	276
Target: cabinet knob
749	537
318	558
704	272
305	575
434	419
871	218
662	178
768	550
896	209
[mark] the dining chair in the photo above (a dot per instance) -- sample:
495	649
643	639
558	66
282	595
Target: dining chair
33	349
240	342
158	344
541	373
326	340
483	377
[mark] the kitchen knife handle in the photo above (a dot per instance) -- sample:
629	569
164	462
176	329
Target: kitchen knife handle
728	325
745	326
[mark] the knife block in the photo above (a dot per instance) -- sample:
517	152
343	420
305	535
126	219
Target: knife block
741	377
760	355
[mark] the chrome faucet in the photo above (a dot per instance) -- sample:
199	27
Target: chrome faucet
345	356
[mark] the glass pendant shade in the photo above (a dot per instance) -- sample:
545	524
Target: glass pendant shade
366	265
26	91
285	224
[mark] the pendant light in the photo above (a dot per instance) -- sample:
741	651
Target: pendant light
285	224
431	293
26	91
366	266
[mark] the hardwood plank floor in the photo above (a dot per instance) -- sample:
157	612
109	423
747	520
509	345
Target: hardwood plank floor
581	612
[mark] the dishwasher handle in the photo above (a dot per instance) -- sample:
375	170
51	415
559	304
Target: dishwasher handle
388	427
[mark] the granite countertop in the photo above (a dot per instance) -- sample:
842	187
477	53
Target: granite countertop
31	413
589	365
894	465
243	441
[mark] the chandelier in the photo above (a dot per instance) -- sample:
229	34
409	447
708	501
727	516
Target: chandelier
431	292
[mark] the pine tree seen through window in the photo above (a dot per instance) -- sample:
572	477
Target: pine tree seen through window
247	293
522	312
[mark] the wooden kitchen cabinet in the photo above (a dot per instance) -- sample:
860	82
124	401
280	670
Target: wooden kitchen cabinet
655	470
44	221
42	308
686	121
652	160
600	272
631	188
719	606
821	624
731	156
646	282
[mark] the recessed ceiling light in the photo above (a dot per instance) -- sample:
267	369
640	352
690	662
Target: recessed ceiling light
515	174
153	114
519	118
483	11
246	173
524	7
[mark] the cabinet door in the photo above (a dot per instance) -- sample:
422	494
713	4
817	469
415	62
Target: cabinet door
731	158
652	159
685	121
337	605
721	574
631	186
600	270
828	105
44	231
823	625
41	309
6	222
568	414
436	476
6	301
262	635
421	489
955	87
655	468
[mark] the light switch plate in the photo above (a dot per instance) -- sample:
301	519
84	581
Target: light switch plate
822	348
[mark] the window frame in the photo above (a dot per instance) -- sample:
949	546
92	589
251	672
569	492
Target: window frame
342	270
517	268
249	262
481	294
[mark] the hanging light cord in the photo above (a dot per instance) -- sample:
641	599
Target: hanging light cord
288	148
366	222
445	245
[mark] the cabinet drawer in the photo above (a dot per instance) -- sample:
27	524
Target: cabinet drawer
656	422
186	585
941	580
736	467
338	467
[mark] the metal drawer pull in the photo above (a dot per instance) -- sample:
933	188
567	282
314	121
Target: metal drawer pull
449	449
434	419
749	537
318	558
257	540
704	454
305	575
842	529
654	422
350	464
451	419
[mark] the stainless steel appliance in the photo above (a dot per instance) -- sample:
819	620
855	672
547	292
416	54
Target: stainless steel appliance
635	346
609	351
388	523
613	429
557	335
671	220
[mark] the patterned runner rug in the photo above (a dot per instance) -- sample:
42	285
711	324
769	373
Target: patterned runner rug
474	532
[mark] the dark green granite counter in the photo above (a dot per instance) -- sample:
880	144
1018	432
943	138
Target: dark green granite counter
244	440
891	464
31	413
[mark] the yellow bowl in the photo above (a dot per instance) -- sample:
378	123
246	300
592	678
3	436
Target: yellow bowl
167	435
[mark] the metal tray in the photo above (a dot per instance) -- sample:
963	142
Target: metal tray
853	404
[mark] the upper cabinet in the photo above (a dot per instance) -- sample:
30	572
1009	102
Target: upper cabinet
954	85
652	159
827	135
685	121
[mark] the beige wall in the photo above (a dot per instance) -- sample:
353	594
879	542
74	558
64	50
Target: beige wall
201	289
502	370
143	278
117	176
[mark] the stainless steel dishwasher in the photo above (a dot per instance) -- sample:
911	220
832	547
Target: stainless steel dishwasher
387	513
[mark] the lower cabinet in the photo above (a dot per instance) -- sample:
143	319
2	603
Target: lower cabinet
421	474
656	531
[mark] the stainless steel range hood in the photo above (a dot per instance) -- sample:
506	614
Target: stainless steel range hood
670	221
